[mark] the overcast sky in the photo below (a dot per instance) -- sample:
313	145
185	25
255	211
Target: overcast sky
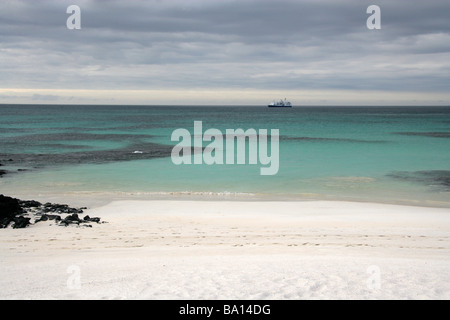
225	52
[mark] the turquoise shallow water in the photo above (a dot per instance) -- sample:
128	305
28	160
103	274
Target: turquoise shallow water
383	154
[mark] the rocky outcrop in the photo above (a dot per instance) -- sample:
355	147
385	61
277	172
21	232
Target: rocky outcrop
9	210
19	213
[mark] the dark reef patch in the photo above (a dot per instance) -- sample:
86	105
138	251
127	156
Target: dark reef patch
294	138
426	134
138	151
65	146
73	136
76	153
324	139
145	151
439	179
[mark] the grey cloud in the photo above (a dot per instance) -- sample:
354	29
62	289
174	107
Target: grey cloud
45	97
248	44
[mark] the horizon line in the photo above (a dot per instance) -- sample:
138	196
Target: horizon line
222	105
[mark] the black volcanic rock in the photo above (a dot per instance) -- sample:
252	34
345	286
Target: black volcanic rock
9	208
71	219
46	217
60	208
89	219
29	203
21	222
9	205
19	213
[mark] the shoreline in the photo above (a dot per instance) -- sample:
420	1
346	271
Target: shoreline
163	249
94	199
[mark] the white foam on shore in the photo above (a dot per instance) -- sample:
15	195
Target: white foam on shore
234	250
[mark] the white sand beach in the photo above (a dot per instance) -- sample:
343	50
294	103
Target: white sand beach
233	250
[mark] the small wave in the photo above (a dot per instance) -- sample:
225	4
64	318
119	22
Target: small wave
197	193
62	184
344	182
163	193
354	179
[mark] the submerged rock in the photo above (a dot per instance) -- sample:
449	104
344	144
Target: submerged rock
426	134
437	179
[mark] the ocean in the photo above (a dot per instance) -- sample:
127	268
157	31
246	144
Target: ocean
378	154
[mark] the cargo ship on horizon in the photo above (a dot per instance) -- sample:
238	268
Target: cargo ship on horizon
280	104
